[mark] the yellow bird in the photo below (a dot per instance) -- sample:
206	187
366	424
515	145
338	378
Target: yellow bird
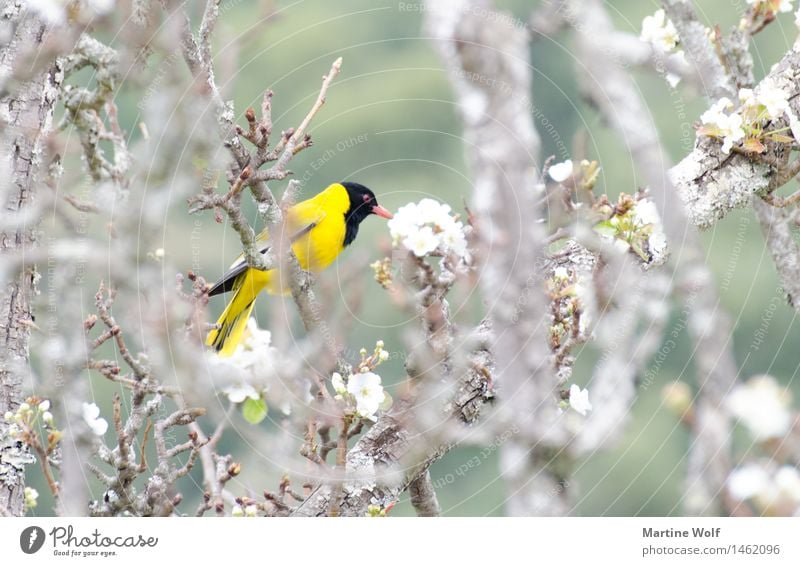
322	227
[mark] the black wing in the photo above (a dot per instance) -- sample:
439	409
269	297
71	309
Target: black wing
226	282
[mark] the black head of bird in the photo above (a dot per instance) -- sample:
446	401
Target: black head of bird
362	204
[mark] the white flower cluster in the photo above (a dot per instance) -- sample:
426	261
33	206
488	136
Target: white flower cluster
91	414
763	406
26	415
251	370
427	227
771	102
767	102
362	392
363	389
772	98
726	125
772	490
659	32
254	351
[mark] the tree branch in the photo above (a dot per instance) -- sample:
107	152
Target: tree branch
423	496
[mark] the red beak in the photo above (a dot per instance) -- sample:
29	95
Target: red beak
382	212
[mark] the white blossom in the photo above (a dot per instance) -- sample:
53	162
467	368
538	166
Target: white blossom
251	370
237	511
51	11
774	99
775	104
762	405
658	31
239	392
747	97
672	79
453	239
560	272
747	481
256	337
579	399
766	486
787	480
47	417
426	227
44	406
366	389
251	510
404	222
727	126
422	242
254	357
91	414
431	211
560	172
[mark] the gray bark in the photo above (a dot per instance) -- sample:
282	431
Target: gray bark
393	454
488	63
27	113
615	93
423	496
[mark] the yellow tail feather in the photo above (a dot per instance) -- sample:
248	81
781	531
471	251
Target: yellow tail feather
233	321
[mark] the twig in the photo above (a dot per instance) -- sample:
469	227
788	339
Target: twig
423	496
341	461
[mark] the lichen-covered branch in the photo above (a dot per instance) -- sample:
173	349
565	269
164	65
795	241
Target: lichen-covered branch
423	496
616	95
384	461
148	399
502	147
26	113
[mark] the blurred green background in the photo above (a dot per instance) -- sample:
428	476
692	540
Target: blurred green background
390	123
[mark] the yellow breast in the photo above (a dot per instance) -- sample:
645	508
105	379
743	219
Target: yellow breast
317	249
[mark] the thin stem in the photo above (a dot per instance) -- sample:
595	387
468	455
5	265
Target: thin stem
341	460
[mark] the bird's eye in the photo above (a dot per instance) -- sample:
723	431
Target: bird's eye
366	198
